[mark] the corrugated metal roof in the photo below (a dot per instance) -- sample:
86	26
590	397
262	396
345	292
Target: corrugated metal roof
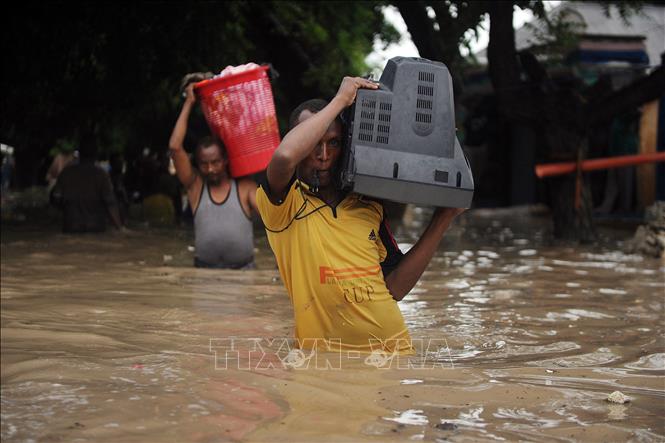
648	23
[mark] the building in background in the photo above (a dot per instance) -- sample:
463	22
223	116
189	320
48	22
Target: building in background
604	49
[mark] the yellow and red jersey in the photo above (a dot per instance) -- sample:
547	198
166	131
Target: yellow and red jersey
330	260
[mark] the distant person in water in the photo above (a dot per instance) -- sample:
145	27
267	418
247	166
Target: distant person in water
117	176
65	157
85	194
222	206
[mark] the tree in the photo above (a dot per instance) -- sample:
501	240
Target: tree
439	29
565	114
562	113
114	69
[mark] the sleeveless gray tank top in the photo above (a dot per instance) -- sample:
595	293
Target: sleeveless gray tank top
223	234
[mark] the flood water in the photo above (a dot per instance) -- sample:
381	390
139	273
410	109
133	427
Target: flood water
116	338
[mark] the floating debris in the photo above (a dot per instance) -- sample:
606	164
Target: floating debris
650	238
618	397
446	426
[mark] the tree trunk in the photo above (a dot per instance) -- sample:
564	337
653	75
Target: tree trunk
440	44
572	208
553	112
420	28
502	57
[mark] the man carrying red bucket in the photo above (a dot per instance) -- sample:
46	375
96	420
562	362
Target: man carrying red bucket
222	205
239	108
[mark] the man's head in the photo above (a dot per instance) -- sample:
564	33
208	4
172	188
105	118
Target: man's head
320	166
88	148
211	160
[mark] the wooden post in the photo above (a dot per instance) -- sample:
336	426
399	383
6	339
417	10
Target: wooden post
646	174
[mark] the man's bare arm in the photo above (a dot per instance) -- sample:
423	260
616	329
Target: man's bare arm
411	267
183	166
252	197
247	188
302	139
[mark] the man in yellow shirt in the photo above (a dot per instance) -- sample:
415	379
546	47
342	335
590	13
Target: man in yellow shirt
337	258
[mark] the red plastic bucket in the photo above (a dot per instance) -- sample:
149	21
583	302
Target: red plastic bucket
239	109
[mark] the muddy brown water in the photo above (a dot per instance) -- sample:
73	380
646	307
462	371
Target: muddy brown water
116	338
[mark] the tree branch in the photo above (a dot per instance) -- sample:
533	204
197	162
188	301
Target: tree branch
420	27
639	92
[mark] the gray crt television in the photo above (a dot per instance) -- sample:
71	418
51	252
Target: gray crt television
401	143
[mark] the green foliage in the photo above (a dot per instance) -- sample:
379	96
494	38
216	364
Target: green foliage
444	26
625	8
63	145
559	36
336	36
439	28
113	69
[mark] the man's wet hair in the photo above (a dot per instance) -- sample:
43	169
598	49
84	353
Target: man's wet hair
313	105
208	141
